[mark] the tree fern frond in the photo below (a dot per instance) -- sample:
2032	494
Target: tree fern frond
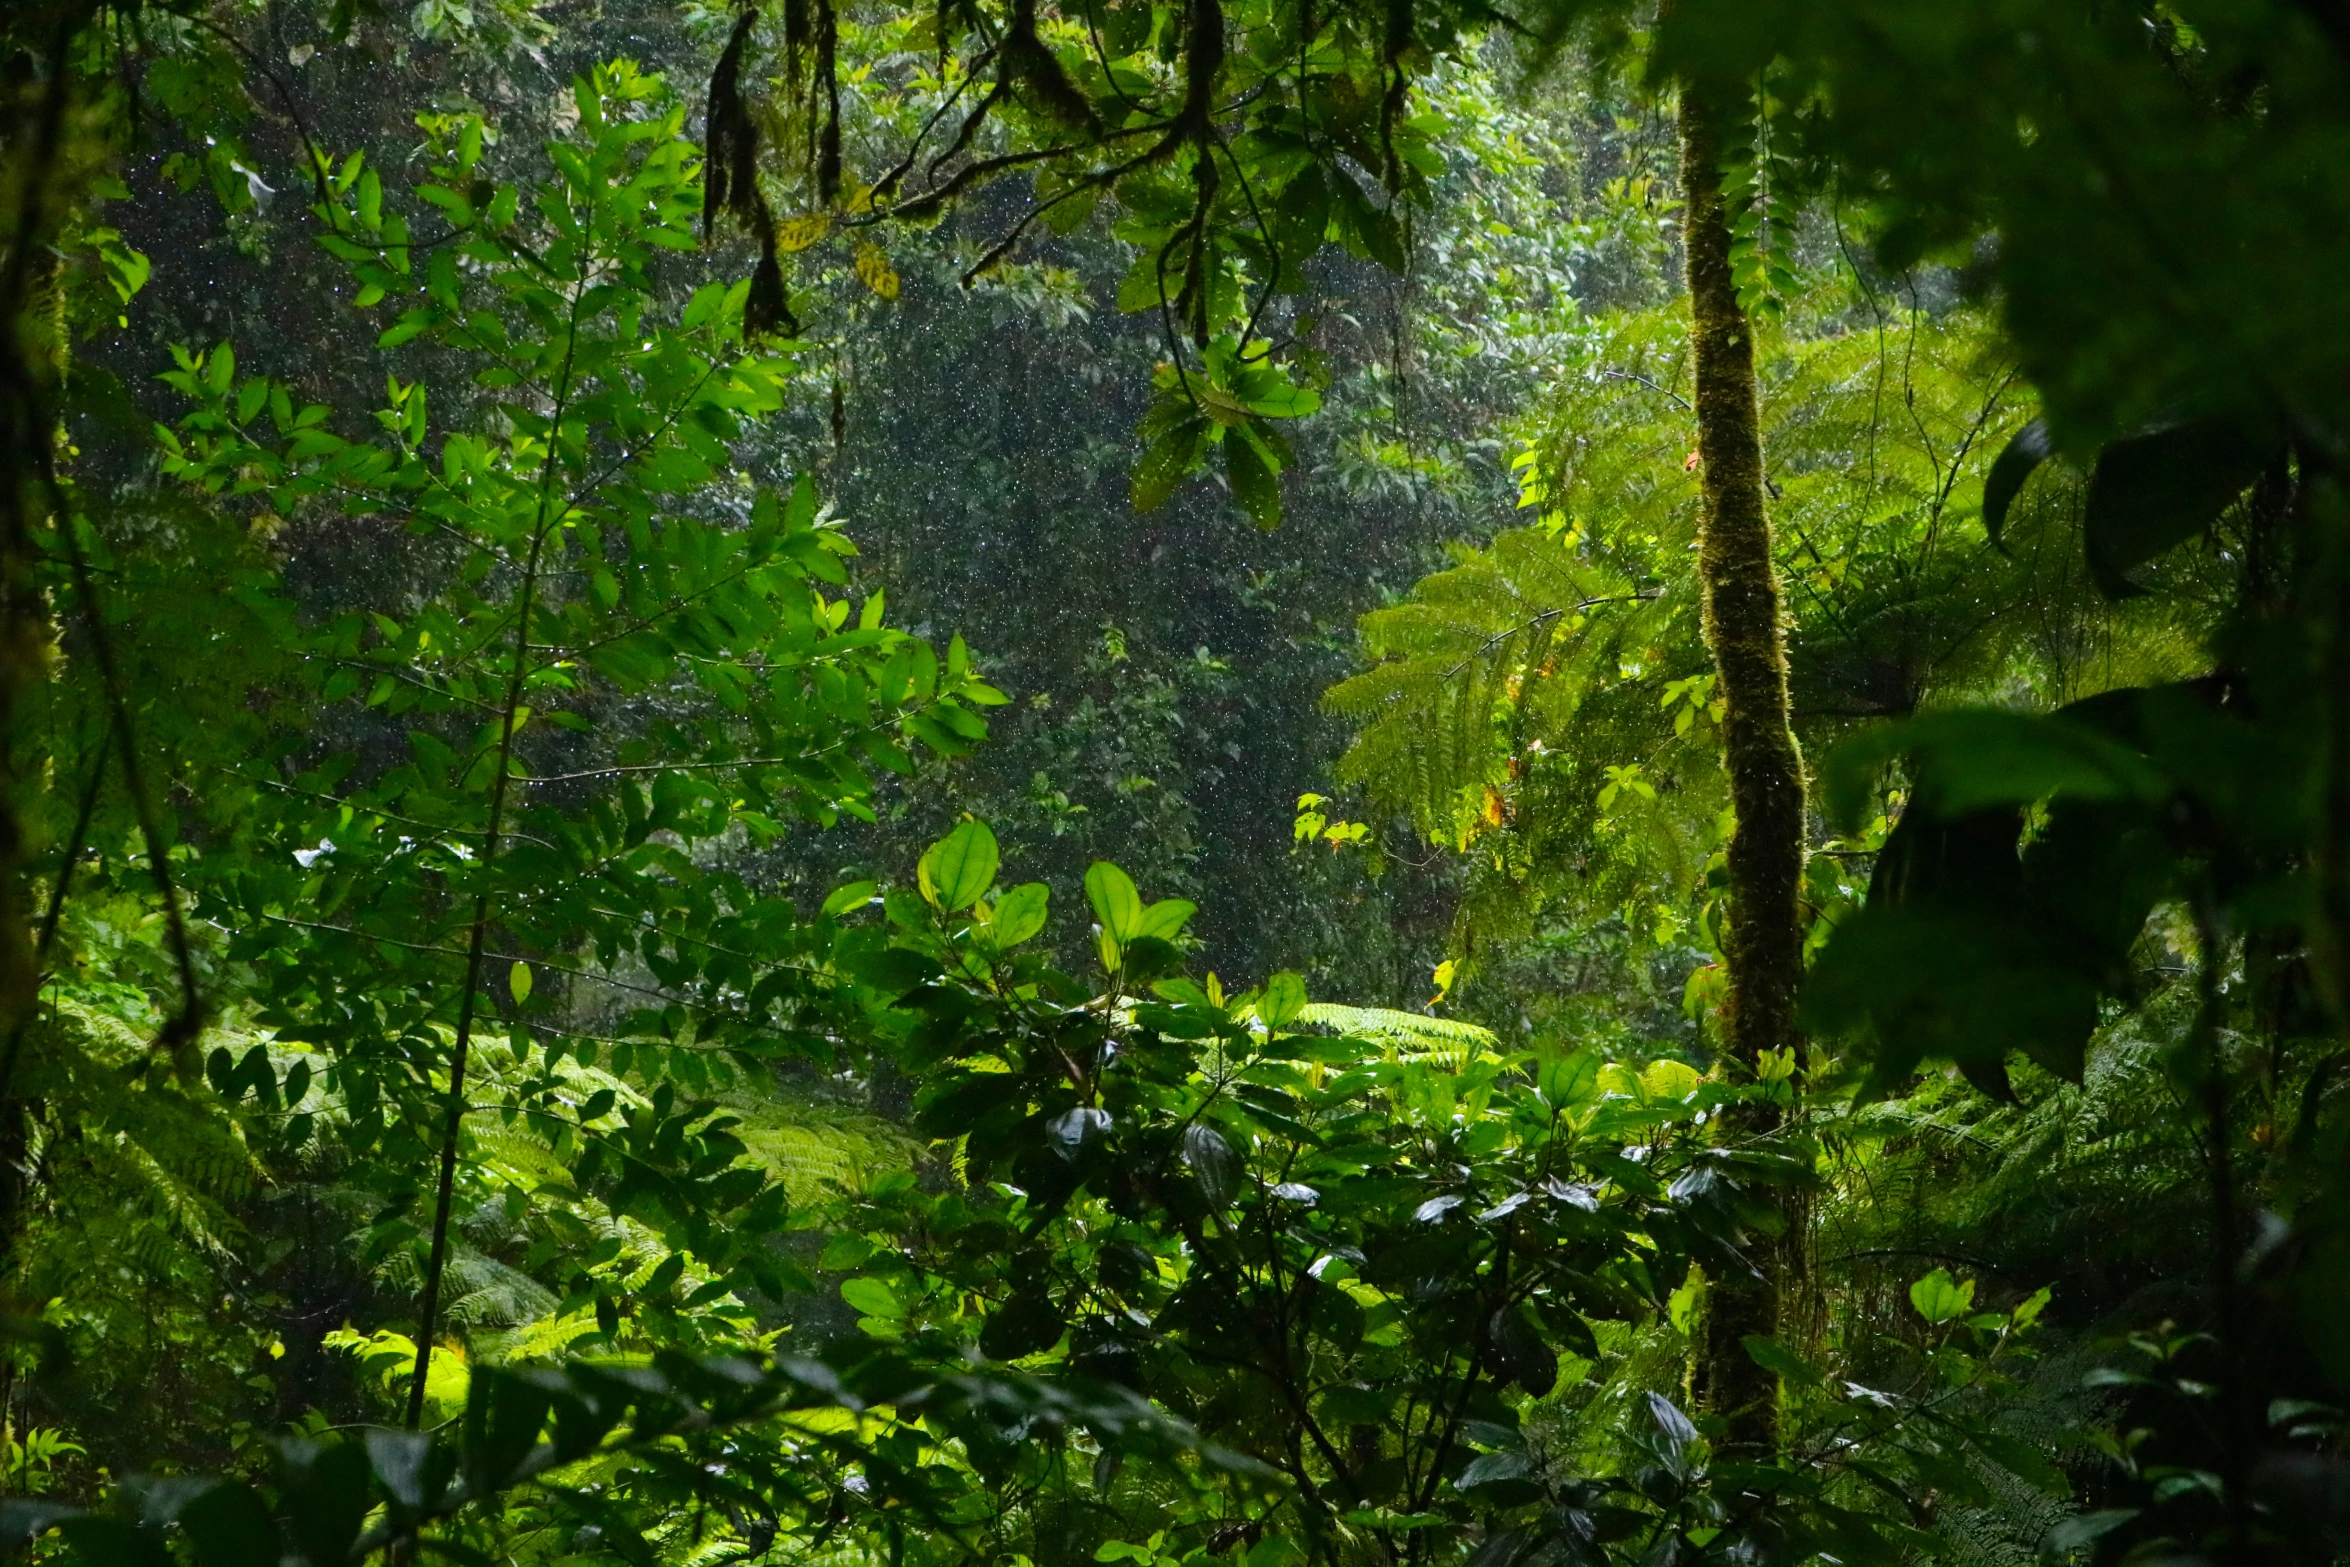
184	1208
1409	1036
491	1293
1464	664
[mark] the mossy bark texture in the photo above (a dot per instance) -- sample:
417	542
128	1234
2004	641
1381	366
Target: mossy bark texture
1743	630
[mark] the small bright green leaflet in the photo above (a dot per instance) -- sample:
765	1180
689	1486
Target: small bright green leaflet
1940	1299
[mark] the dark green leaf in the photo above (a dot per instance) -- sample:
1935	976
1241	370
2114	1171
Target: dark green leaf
2016	462
2154	491
230	1526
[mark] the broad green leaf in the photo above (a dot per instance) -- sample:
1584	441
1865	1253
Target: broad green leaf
1940	1298
1027	1324
1780	1361
873	1297
1522	1354
960	867
1115	902
229	1526
1668	1079
1570	1079
1973	758
1283	400
1020	914
1212	1161
2016	462
1283	1000
1166	918
2154	491
1489	1468
854	895
2086	1529
1254	476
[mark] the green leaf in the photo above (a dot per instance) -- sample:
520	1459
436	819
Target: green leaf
504	1414
2016	463
1166	918
230	1526
326	1497
1027	1324
1212	1162
1283	1000
1569	1079
1115	902
960	867
1020	914
1940	1298
1372	231
873	1298
1780	1361
518	981
1522	1355
1166	462
1971	986
412	324
799	512
2086	1529
2154	491
1968	759
1282	399
1254	477
855	895
1492	1468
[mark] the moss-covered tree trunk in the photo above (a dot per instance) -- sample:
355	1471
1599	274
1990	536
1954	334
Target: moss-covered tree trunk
33	156
1743	631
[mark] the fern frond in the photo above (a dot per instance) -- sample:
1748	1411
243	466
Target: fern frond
491	1293
1482	658
1408	1036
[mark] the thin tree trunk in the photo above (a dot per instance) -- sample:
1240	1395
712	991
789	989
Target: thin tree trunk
1744	633
2326	509
453	1118
517	684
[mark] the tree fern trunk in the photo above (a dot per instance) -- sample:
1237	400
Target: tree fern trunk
1743	631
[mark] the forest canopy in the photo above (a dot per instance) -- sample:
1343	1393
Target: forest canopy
1213	783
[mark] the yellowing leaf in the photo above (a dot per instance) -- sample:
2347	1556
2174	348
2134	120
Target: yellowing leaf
875	272
795	234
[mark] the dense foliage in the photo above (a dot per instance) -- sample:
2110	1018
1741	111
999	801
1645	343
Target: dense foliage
1719	633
